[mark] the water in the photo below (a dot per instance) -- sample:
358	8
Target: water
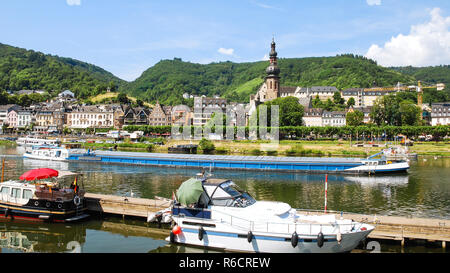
423	192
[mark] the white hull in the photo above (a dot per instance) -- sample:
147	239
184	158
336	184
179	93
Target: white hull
393	167
267	242
42	157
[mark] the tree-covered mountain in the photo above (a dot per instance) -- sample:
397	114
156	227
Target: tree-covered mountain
28	69
169	79
430	76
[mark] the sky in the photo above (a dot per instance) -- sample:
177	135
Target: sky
127	37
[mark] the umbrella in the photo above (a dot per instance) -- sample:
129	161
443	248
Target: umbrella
39	174
189	192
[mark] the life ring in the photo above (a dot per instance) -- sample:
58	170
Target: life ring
36	203
77	200
59	206
47	204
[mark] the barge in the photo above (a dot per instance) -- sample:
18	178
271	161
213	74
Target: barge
254	163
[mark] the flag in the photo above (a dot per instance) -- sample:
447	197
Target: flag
75	185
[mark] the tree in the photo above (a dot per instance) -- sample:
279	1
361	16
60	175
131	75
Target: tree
355	118
410	113
337	99
351	102
290	111
122	98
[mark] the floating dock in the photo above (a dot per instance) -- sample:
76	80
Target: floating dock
256	163
387	227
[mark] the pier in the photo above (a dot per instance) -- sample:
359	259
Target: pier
391	228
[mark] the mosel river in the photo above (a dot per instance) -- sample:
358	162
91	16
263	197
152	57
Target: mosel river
423	192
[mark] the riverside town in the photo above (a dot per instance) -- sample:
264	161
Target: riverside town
339	154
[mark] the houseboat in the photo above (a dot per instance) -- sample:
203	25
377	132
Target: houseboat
40	196
54	153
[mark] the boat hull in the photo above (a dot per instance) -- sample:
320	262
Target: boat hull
42	210
268	243
40	157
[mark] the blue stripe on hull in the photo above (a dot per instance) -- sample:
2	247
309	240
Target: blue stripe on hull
258	237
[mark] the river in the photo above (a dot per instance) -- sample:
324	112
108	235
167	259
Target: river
423	192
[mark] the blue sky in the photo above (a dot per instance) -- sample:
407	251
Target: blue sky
127	37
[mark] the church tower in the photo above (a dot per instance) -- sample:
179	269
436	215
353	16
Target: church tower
273	75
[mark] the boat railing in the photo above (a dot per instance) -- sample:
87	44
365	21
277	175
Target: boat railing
302	227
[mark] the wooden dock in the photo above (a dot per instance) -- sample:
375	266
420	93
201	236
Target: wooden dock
387	227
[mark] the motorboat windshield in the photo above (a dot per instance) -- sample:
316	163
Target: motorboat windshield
228	194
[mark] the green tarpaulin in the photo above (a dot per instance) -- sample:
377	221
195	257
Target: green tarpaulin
189	192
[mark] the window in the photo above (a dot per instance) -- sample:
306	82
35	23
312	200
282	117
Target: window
27	194
15	192
4	190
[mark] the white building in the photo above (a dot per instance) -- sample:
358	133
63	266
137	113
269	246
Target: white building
23	118
440	113
90	117
313	117
334	118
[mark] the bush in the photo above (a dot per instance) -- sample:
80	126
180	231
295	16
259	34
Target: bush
206	145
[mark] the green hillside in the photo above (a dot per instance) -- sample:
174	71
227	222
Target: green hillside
430	76
28	69
169	79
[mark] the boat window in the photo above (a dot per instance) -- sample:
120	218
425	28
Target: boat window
15	192
229	194
4	190
27	194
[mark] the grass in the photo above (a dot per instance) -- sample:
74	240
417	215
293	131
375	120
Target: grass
101	97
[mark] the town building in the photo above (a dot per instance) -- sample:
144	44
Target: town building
440	113
334	118
160	115
90	116
312	117
23	118
204	108
4	110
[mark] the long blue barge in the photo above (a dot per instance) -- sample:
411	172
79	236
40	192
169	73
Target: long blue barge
255	163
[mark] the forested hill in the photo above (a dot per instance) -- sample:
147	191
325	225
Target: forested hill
429	74
169	79
28	69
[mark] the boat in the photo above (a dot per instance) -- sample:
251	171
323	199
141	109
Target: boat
215	213
43	199
54	153
253	163
398	153
31	141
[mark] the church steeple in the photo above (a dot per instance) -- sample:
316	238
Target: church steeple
273	72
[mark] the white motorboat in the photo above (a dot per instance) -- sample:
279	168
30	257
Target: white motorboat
53	153
227	218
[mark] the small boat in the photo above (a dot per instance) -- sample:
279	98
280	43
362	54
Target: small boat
398	153
54	153
43	199
31	141
215	213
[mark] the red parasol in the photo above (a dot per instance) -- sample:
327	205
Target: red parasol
39	174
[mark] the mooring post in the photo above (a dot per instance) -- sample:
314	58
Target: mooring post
443	244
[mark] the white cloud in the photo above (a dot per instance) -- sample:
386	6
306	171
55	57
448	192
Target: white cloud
373	2
226	51
73	2
427	44
265	58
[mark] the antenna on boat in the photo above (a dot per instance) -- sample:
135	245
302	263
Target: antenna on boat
3	168
326	189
